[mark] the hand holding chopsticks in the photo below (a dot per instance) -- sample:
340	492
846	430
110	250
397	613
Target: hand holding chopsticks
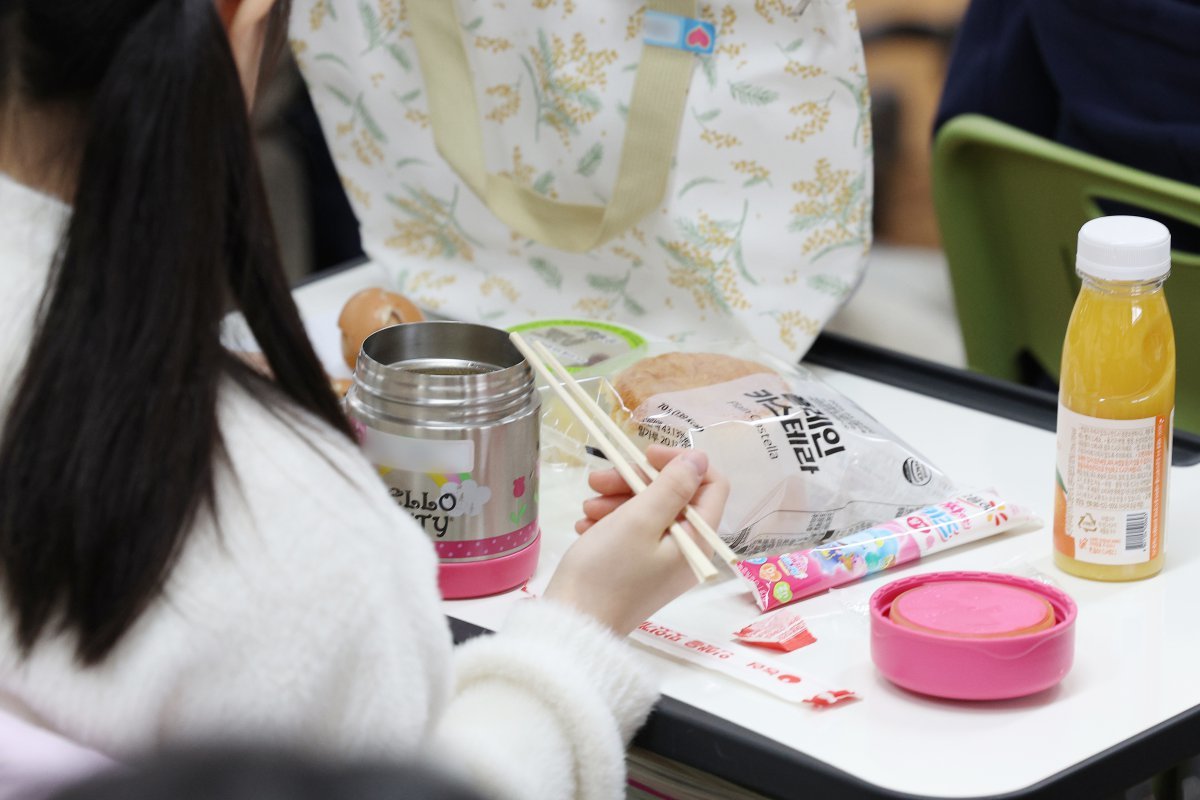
613	441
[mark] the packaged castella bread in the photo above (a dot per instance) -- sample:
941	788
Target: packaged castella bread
806	464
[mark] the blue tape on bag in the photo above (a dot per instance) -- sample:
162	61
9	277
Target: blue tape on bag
680	33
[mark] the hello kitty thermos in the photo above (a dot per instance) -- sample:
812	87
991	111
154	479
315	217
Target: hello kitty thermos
449	415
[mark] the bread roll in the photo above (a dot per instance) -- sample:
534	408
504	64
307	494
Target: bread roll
369	311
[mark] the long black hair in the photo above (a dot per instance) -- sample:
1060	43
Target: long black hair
112	440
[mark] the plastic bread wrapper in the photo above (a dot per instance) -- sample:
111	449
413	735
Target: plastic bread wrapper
966	517
564	440
769	673
806	465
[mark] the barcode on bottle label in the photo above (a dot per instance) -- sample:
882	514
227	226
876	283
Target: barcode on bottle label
1111	488
1136	526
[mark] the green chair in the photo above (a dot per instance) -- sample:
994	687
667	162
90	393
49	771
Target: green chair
1010	205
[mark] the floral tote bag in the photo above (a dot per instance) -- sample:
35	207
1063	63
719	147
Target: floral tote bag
683	168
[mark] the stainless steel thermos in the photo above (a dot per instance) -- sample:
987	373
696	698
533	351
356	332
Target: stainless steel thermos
449	415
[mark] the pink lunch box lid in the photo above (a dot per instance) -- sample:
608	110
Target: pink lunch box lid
964	650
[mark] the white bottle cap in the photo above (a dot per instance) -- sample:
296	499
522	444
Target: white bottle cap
1124	249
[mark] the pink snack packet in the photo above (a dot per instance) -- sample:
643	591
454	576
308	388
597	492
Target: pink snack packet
766	672
967	517
783	630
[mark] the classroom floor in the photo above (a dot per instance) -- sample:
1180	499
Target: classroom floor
905	303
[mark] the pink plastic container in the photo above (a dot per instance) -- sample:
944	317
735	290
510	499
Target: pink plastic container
963	651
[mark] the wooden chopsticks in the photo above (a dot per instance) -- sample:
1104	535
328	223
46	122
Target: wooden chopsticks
616	445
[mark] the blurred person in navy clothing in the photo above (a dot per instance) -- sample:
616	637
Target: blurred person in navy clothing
1119	79
1116	78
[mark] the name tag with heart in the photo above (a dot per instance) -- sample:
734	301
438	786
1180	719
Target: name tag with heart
679	33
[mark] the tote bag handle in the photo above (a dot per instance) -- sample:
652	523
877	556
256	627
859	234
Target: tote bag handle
652	132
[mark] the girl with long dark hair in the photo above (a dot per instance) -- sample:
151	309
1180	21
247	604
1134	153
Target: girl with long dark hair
190	550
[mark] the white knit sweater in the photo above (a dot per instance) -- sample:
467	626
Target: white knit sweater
313	618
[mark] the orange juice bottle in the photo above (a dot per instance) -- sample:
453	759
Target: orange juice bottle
1116	405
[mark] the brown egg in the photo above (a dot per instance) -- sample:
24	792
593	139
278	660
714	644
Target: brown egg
367	312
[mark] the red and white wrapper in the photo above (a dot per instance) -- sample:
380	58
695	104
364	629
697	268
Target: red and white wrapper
766	672
783	630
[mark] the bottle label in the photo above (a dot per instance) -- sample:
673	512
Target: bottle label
1111	487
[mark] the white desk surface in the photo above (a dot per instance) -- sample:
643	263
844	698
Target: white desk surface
1137	644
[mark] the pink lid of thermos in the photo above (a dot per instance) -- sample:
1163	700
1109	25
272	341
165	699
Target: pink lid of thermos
972	635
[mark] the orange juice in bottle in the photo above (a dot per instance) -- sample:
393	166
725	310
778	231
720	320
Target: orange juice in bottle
1116	405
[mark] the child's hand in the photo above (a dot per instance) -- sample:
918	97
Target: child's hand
626	567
